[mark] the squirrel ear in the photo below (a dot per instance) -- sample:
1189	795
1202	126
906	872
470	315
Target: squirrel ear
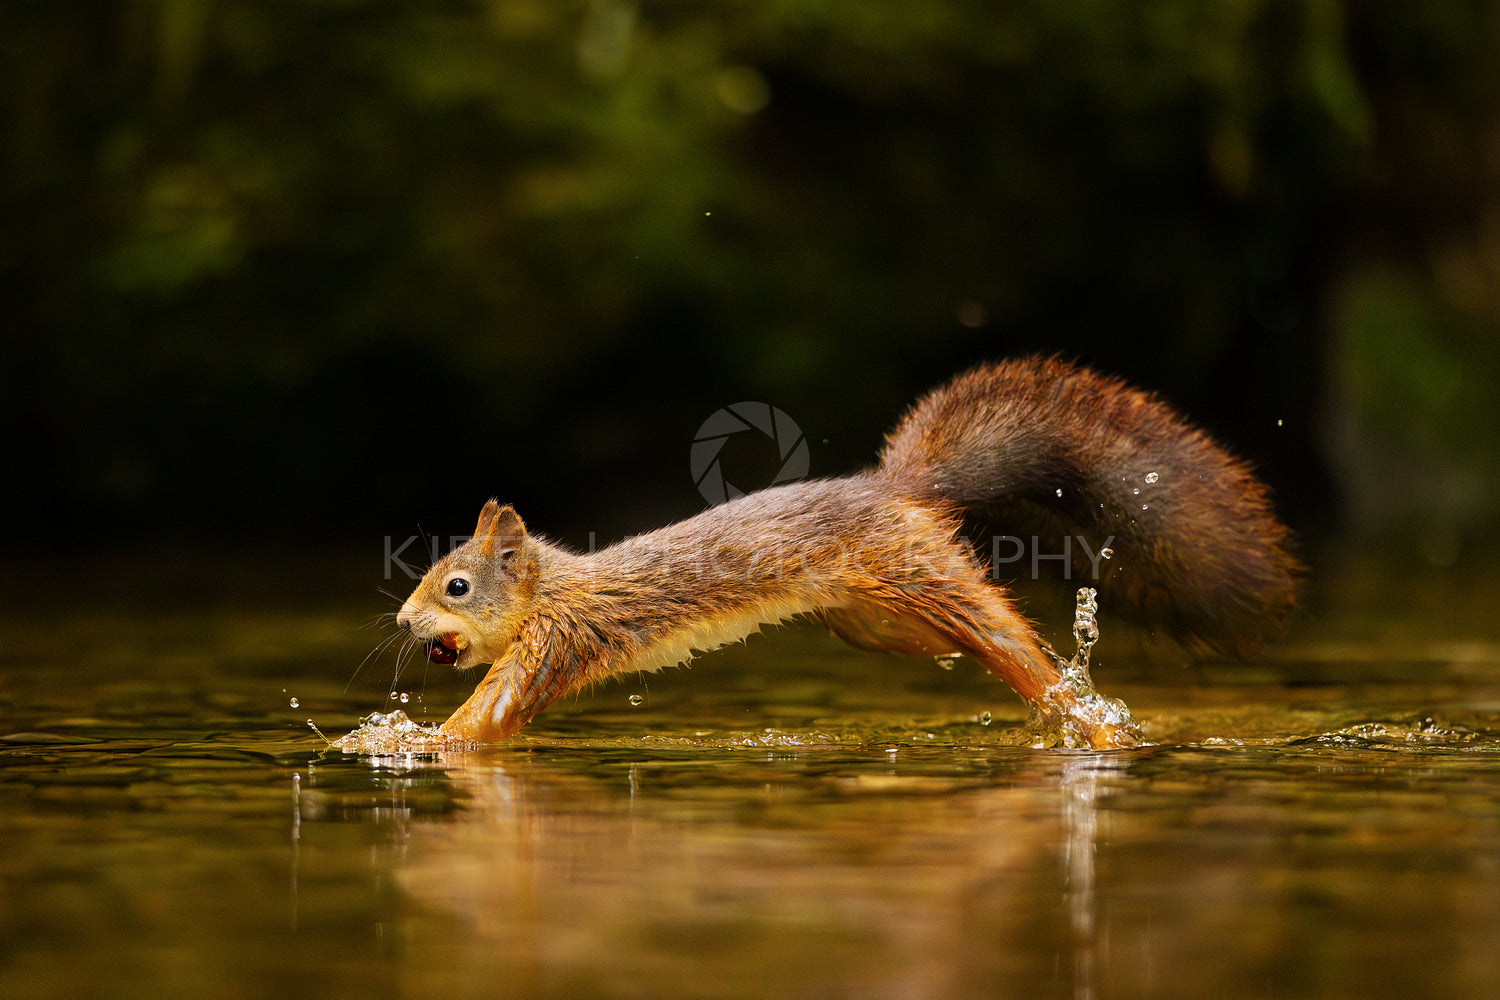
486	517
499	530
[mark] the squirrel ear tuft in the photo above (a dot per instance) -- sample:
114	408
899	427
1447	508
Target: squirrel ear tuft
486	518
500	530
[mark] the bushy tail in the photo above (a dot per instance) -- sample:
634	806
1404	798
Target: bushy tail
1035	445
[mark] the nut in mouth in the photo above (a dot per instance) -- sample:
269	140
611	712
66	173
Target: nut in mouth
445	648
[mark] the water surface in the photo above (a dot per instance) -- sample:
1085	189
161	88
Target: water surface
787	818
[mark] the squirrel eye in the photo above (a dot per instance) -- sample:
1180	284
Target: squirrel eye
457	587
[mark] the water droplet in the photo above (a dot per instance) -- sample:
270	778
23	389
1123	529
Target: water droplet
1145	507
1107	552
295	703
946	660
405	697
1059	491
1152	477
1278	423
985	718
637	700
392	696
1135	492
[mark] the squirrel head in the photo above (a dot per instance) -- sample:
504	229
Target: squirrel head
472	603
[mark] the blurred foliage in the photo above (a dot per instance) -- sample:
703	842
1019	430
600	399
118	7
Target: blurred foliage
332	266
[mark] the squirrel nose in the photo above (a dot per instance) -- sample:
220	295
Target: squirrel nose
405	615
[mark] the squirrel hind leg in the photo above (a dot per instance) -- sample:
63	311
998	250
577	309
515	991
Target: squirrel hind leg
881	630
979	621
1000	639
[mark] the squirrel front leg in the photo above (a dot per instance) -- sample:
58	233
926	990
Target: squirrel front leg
488	713
534	671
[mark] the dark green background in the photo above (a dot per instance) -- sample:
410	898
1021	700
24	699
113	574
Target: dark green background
319	272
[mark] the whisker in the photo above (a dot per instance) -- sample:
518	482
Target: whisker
382	620
409	647
379	649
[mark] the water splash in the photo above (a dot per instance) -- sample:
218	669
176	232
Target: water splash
1072	714
1085	627
395	732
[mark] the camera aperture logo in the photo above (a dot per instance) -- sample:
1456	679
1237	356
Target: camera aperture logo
742	418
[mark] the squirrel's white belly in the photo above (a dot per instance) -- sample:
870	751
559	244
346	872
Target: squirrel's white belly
681	645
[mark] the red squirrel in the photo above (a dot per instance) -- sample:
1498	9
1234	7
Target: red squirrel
878	558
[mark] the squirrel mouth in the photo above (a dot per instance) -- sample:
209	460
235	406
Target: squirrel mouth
445	648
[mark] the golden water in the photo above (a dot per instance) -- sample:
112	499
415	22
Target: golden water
787	818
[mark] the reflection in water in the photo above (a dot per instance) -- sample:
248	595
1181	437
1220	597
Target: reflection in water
795	871
1082	787
772	828
296	834
923	871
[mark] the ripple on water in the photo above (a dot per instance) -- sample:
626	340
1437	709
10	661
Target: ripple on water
1423	734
